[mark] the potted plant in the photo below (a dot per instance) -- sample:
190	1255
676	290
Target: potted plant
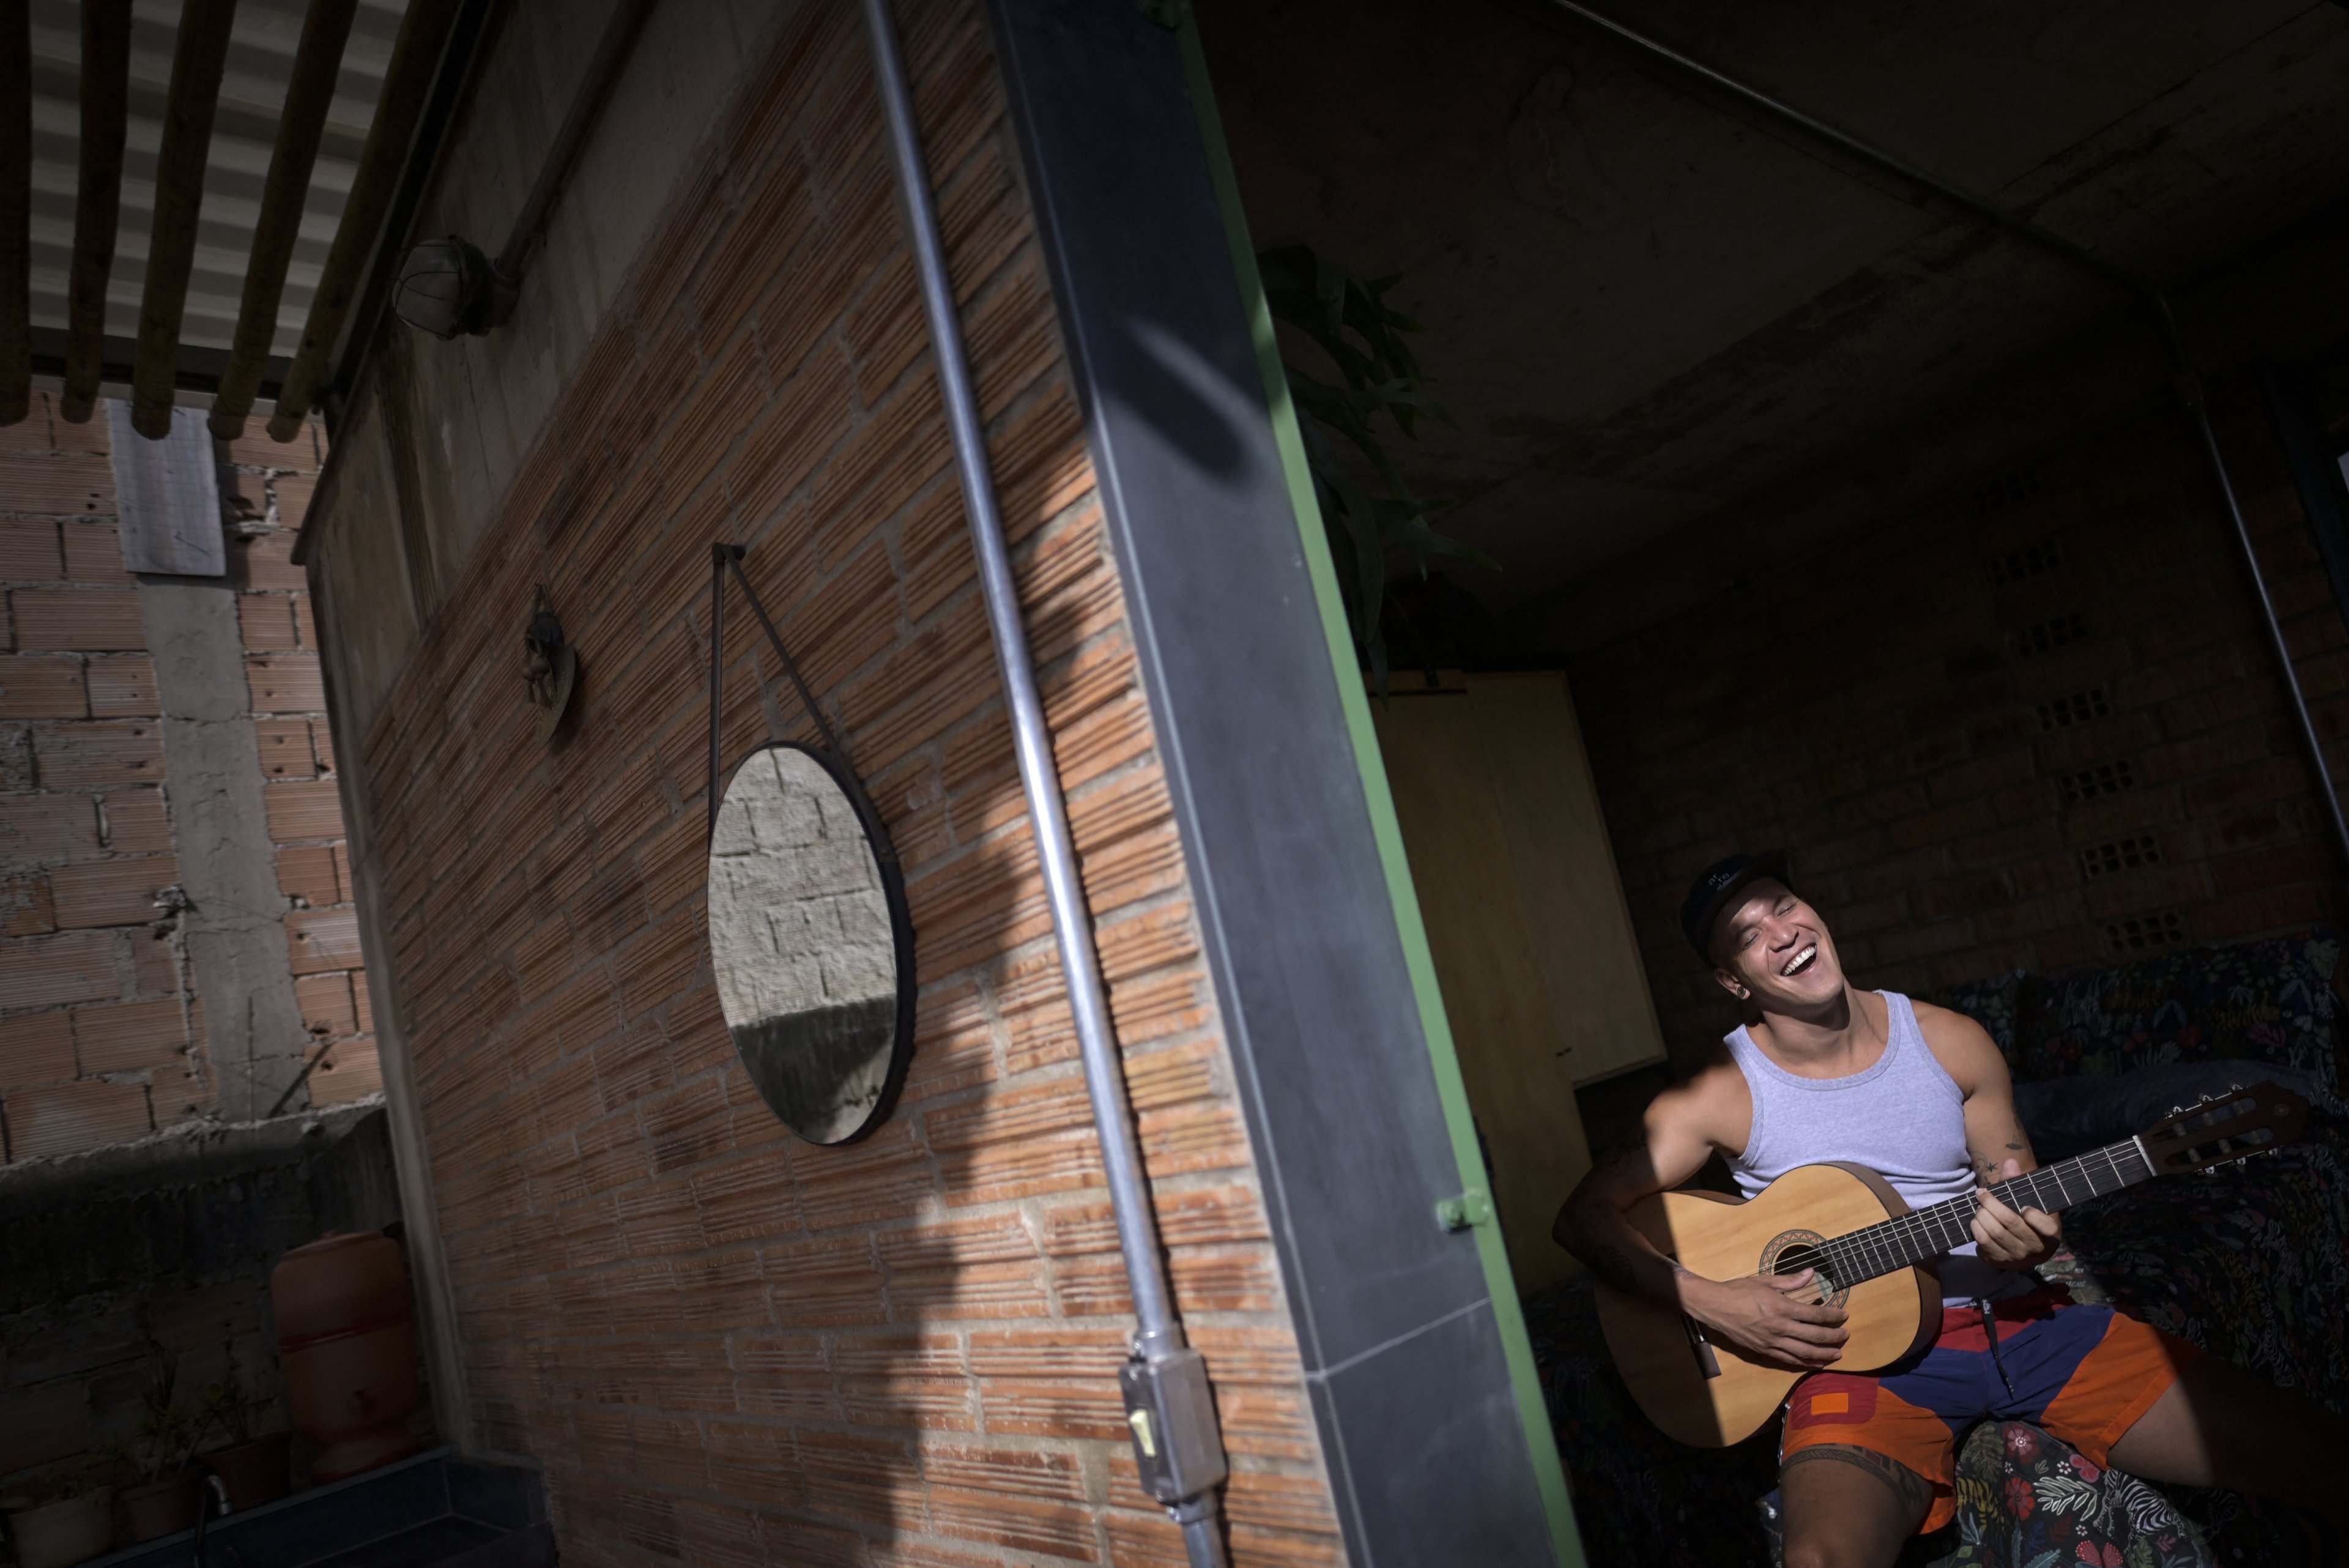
252	1468
164	1501
69	1520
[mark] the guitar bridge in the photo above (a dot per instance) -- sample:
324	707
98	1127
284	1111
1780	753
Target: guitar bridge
1706	1362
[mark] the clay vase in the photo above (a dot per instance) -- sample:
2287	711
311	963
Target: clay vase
162	1507
253	1473
346	1344
60	1534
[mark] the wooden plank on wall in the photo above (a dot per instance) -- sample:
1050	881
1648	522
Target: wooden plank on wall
1564	868
1533	942
1504	1025
168	494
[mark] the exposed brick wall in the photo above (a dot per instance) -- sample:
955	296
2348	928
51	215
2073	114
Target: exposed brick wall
272	486
725	1344
2038	725
100	1031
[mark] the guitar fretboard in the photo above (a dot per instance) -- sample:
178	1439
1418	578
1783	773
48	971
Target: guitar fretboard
1925	1232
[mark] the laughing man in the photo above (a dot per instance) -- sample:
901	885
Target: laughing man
1919	1095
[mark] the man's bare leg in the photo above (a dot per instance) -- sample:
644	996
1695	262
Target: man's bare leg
2219	1425
1849	1506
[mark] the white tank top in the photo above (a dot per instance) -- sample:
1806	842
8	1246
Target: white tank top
1903	1119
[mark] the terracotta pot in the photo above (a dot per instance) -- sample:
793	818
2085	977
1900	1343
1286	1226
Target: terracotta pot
347	1343
60	1534
164	1506
253	1473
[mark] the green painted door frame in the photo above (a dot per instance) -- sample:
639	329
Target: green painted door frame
1540	1442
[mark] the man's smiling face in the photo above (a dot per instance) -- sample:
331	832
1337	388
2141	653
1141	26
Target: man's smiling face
1776	948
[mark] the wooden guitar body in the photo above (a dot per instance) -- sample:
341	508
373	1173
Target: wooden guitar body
1708	1394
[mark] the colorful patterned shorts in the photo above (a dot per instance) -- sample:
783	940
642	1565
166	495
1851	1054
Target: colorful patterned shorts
2083	1374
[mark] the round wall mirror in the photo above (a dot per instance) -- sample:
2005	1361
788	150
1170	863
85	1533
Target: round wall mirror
812	945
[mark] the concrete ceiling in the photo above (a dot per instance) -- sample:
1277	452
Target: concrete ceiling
1645	303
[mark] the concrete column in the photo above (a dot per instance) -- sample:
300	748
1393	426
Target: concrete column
228	866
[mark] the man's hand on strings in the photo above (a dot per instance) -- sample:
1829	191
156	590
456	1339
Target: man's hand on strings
2011	1239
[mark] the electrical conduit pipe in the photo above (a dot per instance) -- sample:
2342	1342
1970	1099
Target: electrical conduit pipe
1175	1443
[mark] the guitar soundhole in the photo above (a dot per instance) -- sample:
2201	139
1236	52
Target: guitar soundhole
1791	1251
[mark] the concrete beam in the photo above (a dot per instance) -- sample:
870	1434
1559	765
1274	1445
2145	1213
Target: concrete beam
427	1254
234	934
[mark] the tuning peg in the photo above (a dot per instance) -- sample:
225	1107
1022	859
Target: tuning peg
2235	1088
2178	1110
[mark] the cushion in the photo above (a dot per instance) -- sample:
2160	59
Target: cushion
2066	1116
2026	1499
2270	1001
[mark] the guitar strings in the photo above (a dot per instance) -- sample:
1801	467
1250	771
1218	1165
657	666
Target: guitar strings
1891	1244
1882	1248
1885	1246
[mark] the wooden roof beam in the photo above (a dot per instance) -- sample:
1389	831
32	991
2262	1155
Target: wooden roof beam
196	65
97	200
16	209
423	32
316	60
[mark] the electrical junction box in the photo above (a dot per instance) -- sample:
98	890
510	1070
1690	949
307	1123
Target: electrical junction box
1172	1416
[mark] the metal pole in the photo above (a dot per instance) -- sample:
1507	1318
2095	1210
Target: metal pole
2189	385
1851	144
2191	388
1158	1333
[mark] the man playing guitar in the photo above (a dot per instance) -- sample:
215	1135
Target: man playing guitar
1919	1095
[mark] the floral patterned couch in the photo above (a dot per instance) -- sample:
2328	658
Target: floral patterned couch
2249	1264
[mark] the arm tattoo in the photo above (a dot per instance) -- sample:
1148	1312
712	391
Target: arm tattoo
1911	1491
1614	1265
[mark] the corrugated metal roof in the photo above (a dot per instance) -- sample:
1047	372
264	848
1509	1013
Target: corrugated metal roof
251	99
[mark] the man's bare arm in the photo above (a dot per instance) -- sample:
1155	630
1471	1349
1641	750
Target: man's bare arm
1995	1142
1591	1225
1670	1148
1755	1313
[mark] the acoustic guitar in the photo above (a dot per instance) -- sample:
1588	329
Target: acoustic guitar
1871	1252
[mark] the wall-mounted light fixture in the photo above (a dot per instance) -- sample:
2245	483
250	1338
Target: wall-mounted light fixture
447	286
550	666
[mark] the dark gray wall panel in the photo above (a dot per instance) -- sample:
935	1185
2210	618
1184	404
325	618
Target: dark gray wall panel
1394	1322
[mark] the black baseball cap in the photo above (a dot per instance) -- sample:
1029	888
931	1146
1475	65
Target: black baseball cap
1717	886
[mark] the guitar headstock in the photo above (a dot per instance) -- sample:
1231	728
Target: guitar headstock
2224	1128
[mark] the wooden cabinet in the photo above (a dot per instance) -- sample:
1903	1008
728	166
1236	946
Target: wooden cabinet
1542	980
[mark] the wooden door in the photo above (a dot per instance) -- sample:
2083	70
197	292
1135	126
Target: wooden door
1542	981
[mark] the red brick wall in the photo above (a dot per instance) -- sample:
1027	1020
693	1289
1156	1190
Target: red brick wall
100	1032
273	485
725	1344
2038	725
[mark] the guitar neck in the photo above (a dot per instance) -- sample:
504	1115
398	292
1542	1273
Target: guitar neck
1926	1233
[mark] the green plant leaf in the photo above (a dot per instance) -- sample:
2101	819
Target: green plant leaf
1348	320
